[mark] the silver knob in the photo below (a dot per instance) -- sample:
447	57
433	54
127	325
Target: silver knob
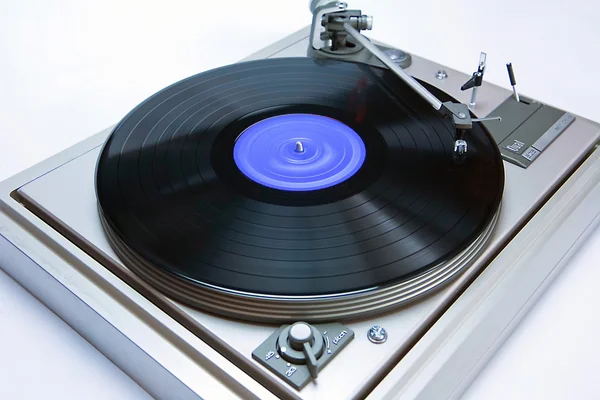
300	332
365	22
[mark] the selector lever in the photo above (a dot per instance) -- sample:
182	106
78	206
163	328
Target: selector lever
301	338
301	343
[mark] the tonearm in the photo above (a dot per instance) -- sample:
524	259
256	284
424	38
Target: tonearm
334	25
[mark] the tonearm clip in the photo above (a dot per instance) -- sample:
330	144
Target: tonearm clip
333	23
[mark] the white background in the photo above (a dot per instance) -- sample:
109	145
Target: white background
68	69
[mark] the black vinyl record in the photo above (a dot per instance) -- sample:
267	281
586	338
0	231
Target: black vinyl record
169	188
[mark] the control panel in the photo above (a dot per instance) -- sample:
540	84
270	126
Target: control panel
296	353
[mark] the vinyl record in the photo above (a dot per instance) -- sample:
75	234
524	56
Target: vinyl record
294	177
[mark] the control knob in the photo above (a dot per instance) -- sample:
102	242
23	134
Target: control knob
301	343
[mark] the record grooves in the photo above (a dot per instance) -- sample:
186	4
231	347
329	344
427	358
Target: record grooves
185	216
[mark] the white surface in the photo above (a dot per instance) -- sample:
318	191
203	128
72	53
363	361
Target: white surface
71	68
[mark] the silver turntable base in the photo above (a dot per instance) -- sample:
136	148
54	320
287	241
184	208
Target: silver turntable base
49	213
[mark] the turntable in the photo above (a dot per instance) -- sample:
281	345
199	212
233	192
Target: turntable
349	221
